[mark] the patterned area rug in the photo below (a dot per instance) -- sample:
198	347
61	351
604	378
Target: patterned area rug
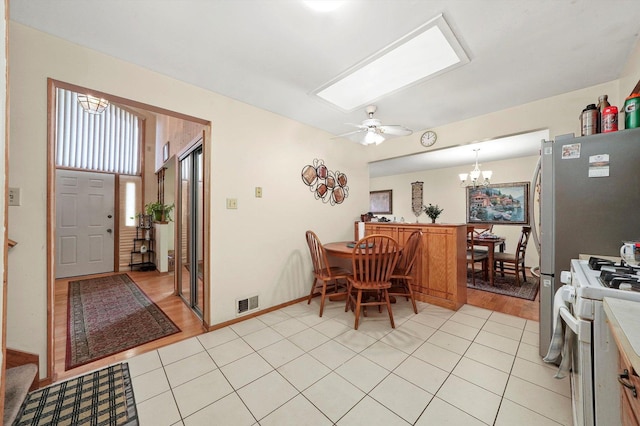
104	397
507	286
108	315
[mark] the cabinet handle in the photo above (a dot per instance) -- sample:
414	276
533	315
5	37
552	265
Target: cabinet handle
625	376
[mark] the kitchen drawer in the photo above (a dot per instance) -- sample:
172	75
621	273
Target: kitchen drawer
630	395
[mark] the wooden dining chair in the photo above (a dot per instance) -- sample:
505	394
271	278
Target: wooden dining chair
402	277
324	275
513	263
373	261
474	256
478	231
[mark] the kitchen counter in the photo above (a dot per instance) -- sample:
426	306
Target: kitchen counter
624	316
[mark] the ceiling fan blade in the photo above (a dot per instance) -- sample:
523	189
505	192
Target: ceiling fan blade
394	130
348	134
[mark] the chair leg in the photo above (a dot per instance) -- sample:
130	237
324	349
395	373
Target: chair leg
386	298
348	303
413	300
358	301
322	296
524	273
473	274
313	287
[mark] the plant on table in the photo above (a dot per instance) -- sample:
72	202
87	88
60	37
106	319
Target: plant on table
433	212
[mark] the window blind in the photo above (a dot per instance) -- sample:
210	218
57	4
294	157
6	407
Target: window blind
107	142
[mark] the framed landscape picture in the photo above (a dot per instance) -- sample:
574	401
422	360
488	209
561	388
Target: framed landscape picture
499	204
380	202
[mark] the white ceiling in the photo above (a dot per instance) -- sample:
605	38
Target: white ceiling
274	53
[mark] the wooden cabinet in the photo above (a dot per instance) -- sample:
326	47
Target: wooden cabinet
622	316
440	270
630	392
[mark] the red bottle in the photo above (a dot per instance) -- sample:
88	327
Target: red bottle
610	119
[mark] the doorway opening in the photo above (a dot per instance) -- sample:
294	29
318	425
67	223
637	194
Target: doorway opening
155	136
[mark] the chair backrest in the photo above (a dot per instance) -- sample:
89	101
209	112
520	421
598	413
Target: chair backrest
470	242
318	254
522	243
374	257
481	229
410	252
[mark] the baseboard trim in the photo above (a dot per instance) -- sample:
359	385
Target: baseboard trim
255	314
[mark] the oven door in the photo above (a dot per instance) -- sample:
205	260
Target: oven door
578	337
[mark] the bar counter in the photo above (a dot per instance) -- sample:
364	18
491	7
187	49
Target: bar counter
440	270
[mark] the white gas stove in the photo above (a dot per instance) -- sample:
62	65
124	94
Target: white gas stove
594	386
589	286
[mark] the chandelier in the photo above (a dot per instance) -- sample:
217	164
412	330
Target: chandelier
474	175
92	104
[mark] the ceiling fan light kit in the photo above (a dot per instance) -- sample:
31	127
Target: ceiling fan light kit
373	132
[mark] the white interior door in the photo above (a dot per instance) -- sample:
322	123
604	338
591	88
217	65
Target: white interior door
84	223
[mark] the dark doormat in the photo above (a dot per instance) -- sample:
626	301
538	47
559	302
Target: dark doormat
104	397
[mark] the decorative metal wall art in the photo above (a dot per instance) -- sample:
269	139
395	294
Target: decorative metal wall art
417	205
326	185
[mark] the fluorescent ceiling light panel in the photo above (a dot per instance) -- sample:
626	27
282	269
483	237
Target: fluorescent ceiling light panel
324	5
423	53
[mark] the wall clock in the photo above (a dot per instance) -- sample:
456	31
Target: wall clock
428	138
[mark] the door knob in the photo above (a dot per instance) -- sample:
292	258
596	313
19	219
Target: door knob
109	216
109	230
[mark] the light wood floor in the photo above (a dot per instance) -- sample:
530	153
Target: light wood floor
527	309
159	288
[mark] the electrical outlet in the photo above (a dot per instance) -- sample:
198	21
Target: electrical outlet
232	203
258	192
14	196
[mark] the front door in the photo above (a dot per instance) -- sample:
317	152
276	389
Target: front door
84	223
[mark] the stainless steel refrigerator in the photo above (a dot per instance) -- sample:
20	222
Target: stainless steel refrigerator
589	204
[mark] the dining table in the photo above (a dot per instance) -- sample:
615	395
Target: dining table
490	243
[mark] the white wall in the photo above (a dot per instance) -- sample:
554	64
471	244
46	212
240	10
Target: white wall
258	248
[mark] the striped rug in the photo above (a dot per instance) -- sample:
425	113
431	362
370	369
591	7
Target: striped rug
104	397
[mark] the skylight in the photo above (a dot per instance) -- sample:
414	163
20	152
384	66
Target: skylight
425	52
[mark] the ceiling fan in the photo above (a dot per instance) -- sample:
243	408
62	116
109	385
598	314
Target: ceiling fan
372	131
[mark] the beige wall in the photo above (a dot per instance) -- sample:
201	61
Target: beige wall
258	248
3	158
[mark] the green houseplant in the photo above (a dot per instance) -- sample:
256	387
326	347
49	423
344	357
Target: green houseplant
160	212
433	212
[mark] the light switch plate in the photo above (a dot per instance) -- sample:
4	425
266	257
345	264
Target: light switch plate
14	196
232	203
258	192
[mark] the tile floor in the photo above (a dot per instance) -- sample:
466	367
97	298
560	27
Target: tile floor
291	367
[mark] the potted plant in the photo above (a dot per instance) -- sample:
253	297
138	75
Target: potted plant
160	212
433	212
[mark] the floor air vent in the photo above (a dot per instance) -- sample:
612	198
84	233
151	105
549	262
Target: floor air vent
246	305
